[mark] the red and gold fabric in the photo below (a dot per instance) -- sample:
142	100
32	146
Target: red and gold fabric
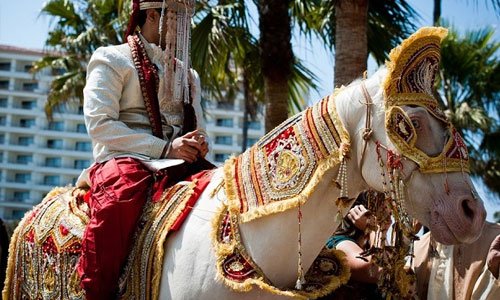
412	71
46	246
237	270
285	166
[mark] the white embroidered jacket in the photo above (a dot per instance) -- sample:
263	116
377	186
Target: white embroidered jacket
114	110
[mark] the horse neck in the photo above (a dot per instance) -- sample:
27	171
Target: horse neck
272	241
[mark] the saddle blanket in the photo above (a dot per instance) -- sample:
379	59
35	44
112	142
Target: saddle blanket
46	245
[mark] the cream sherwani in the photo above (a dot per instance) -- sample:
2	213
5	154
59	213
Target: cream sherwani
447	272
114	110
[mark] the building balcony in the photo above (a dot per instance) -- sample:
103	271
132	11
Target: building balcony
14	204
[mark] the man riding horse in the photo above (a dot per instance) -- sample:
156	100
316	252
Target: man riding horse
142	112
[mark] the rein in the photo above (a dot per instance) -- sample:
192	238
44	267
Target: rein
368	130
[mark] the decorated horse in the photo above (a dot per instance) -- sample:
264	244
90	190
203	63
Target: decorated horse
258	225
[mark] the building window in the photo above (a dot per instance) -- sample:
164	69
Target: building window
221	157
3	121
27	123
4	84
80	110
57	126
28	104
24	159
2	138
254	125
4	66
23	177
27	68
81	128
51	180
225	105
82	163
3	102
225	122
21	196
83	146
26	140
224	140
54	144
251	142
30	86
18	214
54	162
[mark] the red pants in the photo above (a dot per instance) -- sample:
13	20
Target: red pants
119	189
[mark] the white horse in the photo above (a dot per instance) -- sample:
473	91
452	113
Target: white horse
451	210
443	201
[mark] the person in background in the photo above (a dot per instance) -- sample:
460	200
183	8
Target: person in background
354	237
459	272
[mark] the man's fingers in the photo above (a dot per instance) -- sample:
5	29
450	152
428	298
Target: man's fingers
192	143
188	157
191	134
189	149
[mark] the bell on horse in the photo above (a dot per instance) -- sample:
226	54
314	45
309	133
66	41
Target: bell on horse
274	205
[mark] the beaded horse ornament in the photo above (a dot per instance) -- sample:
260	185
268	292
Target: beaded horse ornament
412	72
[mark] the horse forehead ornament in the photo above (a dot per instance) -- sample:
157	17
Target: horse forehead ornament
411	75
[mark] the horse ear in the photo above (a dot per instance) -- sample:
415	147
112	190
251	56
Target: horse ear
412	68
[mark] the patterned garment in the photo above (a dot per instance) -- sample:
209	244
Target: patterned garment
46	245
287	163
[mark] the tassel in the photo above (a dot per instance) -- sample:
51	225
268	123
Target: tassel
298	284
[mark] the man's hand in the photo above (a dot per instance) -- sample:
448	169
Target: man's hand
186	147
203	143
493	258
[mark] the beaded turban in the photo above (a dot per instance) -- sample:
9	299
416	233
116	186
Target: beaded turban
411	74
175	41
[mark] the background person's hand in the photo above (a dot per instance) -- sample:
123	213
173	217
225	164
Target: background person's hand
186	147
360	217
493	258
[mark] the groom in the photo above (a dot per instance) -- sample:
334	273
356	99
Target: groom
142	112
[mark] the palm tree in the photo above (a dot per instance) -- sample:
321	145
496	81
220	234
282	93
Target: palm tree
358	28
276	57
469	90
229	56
80	28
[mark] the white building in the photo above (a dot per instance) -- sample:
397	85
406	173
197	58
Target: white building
36	155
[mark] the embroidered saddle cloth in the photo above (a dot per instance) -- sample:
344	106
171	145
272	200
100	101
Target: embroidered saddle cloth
287	163
46	246
237	270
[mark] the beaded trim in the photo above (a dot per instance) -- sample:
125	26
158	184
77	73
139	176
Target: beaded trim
149	81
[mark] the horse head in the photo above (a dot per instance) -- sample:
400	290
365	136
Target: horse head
419	141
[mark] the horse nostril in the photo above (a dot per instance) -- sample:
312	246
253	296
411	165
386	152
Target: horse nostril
468	211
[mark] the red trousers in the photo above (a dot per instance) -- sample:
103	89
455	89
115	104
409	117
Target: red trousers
119	190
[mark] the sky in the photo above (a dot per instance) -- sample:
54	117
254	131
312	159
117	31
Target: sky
22	25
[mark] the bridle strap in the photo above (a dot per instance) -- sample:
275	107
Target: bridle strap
367	131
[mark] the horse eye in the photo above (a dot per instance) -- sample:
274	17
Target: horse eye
415	123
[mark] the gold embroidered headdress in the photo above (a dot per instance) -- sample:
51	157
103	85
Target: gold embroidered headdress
411	74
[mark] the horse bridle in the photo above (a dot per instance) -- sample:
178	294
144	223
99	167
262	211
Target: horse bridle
367	131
